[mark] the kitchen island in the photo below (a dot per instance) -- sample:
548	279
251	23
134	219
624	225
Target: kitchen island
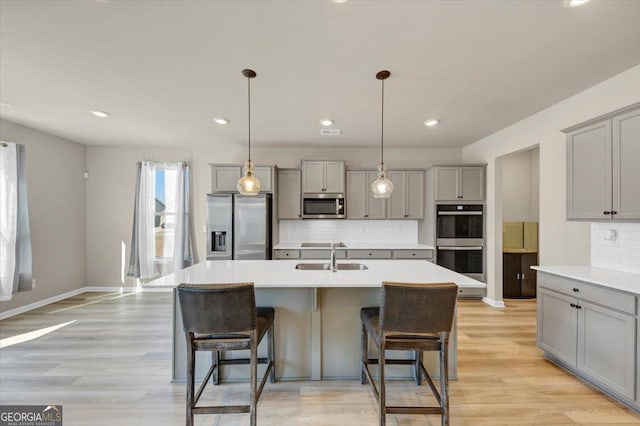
317	329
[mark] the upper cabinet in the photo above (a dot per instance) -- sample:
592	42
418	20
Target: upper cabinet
289	183
406	201
603	177
361	203
224	177
323	176
464	183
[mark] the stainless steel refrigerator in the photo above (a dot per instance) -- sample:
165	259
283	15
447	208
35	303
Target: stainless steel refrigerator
238	227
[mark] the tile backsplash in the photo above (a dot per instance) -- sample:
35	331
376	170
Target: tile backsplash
616	246
323	231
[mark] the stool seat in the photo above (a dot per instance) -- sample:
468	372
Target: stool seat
235	341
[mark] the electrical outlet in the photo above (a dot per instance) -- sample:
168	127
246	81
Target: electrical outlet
34	282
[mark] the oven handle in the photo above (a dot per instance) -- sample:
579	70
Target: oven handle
459	213
459	248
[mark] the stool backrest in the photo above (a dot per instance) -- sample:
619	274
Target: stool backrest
417	308
217	308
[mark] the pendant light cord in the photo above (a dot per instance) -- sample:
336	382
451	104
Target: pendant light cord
382	129
249	108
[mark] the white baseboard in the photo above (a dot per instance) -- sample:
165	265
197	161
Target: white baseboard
493	302
68	294
40	303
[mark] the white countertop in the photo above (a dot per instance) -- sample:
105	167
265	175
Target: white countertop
604	277
359	246
282	273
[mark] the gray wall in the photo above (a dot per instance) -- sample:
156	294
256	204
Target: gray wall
520	186
56	192
111	186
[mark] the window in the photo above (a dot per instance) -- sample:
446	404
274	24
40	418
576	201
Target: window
161	241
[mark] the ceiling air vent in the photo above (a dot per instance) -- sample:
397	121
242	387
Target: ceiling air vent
330	132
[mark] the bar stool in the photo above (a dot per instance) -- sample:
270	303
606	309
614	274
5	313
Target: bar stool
220	317
414	317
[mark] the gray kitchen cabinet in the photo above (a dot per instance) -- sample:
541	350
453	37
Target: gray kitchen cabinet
407	199
224	177
369	254
607	347
459	183
289	182
286	254
626	159
361	202
413	254
591	330
323	176
603	178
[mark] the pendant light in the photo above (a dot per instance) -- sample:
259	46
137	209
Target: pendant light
249	184
382	187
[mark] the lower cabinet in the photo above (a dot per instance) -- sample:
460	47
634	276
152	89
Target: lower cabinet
420	254
592	330
518	279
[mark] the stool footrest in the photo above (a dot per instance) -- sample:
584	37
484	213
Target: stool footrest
237	361
413	410
224	409
392	361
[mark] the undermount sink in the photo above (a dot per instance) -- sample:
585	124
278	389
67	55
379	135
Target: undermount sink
322	245
327	267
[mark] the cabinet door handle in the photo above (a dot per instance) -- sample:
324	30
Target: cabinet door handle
406	215
614	212
459	196
518	275
366	215
578	307
607	212
573	305
324	189
522	276
576	290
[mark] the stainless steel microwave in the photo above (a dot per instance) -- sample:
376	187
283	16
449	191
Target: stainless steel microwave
323	206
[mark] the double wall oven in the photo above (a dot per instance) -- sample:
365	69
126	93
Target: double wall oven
460	238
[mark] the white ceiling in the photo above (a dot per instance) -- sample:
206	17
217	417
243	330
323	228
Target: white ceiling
163	69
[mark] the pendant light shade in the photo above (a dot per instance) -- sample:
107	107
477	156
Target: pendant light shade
248	183
382	187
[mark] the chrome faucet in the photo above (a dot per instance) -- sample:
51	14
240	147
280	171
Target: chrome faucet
332	260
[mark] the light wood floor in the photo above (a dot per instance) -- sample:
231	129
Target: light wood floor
109	364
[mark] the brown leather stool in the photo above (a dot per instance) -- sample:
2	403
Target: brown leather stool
220	317
411	317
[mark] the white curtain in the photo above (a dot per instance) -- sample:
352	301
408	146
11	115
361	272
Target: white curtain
145	221
8	218
15	233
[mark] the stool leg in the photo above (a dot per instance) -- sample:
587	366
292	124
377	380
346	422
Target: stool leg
417	372
271	354
444	379
254	378
364	352
382	403
191	366
215	359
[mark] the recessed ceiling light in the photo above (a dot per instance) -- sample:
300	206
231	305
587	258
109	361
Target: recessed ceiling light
326	122
339	1
99	113
220	120
431	122
575	3
5	105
